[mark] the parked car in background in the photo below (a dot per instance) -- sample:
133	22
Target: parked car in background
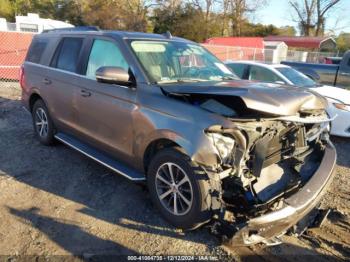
255	156
332	60
338	98
329	74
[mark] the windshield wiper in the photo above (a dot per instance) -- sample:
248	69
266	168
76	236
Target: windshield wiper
181	80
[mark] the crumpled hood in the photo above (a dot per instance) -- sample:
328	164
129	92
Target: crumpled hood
264	97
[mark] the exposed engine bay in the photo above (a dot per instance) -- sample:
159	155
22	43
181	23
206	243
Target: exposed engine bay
279	158
266	157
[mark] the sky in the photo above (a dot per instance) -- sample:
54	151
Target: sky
279	13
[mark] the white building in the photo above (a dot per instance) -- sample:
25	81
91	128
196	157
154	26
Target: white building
275	51
32	23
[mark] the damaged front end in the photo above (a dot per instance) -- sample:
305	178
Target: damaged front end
273	176
275	159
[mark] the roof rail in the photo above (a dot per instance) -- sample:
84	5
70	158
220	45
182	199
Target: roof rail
70	29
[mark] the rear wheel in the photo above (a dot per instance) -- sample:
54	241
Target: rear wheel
179	188
43	125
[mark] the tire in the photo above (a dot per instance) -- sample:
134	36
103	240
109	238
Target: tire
195	189
44	132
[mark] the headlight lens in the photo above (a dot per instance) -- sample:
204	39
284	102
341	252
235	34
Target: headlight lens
224	146
342	106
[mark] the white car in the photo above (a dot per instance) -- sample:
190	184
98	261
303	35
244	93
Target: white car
338	98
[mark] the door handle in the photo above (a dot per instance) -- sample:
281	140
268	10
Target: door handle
85	93
46	81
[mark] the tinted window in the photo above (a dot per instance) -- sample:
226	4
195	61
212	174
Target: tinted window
36	50
263	74
69	54
238	69
104	53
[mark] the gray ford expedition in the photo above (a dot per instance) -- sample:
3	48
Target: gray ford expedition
255	157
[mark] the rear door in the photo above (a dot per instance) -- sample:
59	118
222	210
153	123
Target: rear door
62	80
105	110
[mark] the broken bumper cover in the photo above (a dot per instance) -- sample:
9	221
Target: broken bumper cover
276	223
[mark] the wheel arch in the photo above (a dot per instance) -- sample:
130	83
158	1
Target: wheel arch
196	147
154	147
33	98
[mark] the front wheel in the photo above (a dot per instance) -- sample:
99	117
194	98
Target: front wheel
179	188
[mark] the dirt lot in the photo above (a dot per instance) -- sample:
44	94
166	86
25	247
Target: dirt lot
54	201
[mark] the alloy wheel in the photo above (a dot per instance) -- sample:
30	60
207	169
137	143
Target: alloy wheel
174	189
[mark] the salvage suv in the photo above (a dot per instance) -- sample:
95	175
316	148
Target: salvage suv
254	157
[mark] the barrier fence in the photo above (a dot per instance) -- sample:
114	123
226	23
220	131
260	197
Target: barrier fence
13	49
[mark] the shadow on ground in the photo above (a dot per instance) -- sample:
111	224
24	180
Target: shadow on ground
342	145
70	237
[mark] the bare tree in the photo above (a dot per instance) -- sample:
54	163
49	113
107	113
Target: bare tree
323	6
311	15
239	9
205	7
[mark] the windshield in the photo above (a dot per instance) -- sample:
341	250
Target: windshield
296	77
167	62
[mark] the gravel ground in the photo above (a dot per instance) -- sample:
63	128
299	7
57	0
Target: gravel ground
54	202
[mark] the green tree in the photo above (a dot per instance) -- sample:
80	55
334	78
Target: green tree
188	21
343	42
287	31
6	10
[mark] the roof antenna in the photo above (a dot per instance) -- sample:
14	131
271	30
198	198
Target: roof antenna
168	35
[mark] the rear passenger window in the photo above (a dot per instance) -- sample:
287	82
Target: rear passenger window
68	56
36	50
104	53
258	73
238	69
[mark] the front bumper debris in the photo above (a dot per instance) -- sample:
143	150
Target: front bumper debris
296	207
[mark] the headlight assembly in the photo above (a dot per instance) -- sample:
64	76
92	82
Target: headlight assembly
224	146
342	106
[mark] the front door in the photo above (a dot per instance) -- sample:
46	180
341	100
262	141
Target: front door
105	110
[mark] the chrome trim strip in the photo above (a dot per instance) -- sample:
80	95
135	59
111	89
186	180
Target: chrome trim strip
99	161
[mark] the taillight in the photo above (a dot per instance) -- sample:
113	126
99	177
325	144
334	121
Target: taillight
21	77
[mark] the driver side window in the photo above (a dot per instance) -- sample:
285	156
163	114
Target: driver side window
104	53
258	73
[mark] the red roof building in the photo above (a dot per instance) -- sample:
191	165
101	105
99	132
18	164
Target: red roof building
305	42
252	42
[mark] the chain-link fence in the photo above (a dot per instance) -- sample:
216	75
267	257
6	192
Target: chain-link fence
13	49
225	53
267	55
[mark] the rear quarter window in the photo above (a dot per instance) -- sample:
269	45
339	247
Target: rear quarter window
67	54
36	50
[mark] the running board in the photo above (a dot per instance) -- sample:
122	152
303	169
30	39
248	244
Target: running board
100	157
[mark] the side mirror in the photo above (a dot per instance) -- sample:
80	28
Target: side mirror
113	75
